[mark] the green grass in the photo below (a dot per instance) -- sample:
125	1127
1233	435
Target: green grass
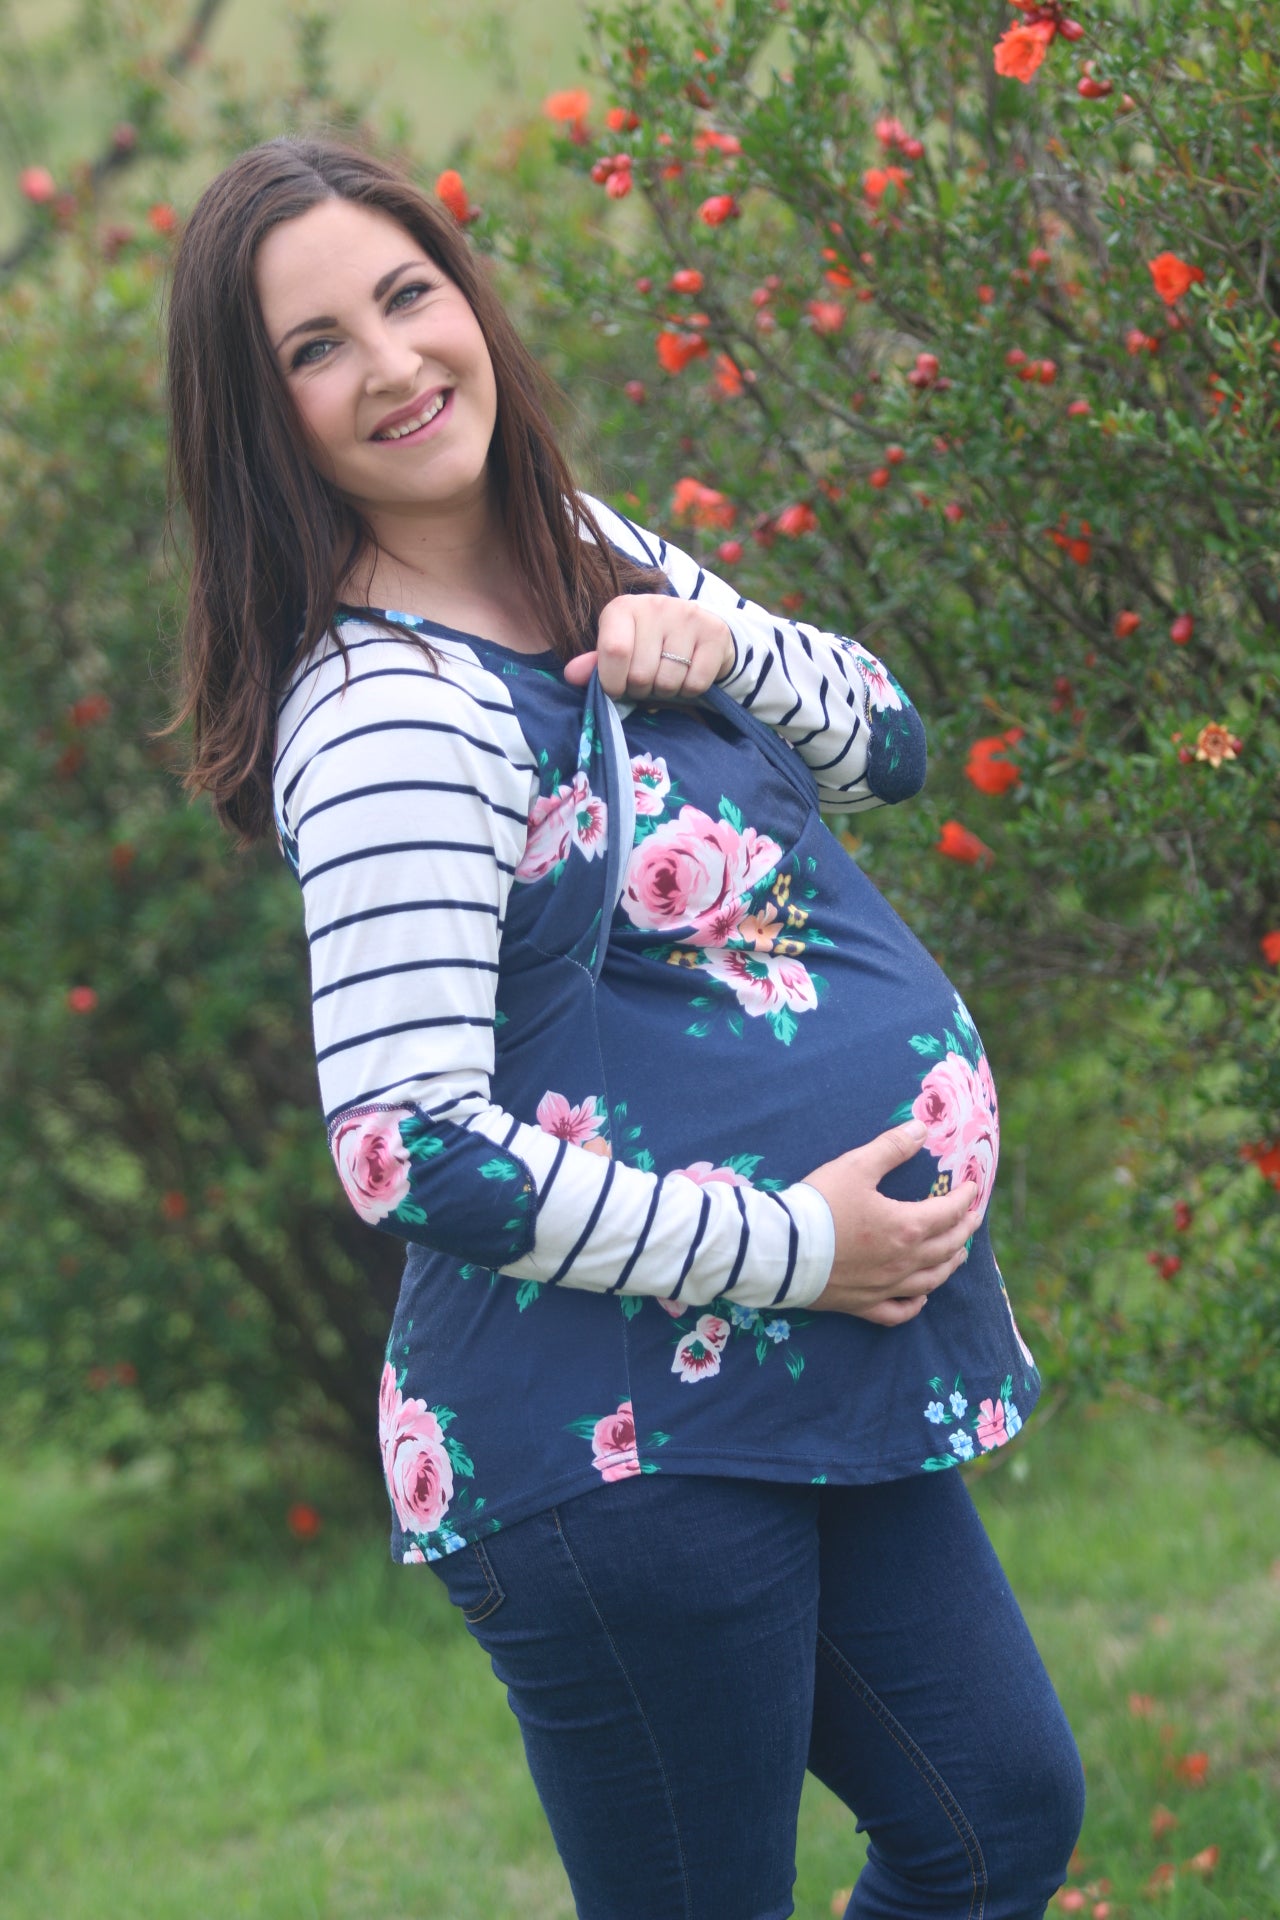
202	1715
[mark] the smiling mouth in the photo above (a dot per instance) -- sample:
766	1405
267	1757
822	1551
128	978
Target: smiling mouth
419	420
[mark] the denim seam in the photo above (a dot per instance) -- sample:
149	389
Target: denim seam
924	1767
494	1595
644	1719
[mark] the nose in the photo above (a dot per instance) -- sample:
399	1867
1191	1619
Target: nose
394	364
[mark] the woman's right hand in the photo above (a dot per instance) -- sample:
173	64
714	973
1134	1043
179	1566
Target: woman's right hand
890	1254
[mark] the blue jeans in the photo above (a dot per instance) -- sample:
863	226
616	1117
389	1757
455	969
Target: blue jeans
677	1650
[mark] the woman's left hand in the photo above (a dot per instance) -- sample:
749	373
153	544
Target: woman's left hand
655	643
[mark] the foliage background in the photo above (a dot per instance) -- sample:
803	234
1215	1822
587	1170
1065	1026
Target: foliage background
179	1267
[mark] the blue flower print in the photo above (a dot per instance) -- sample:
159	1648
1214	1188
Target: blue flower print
959	1405
777	1330
935	1412
1012	1418
742	1317
962	1445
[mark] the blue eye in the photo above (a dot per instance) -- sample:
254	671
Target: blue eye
405	294
308	356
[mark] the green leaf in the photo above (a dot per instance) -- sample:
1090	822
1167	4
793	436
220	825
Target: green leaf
631	1304
926	1044
527	1292
730	813
795	1363
784	1025
699	1030
499	1170
938	1461
585	1426
462	1461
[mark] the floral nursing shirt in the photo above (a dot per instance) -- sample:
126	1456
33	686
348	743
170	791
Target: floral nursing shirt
593	987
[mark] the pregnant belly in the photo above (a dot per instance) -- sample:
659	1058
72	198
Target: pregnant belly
761	1064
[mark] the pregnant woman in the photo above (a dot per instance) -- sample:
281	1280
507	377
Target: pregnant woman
691	1141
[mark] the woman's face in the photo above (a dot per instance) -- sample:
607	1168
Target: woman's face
384	359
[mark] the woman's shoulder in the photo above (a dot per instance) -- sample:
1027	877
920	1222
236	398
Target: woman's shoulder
364	678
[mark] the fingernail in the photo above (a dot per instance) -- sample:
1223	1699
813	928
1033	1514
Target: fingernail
916	1130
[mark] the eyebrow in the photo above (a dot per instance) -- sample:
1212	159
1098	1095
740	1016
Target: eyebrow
323	320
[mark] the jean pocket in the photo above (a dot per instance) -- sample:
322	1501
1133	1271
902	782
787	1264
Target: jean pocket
471	1582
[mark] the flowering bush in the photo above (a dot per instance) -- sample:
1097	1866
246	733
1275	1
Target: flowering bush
904	328
984	370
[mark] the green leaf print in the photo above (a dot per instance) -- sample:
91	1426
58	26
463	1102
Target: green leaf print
499	1170
410	1214
730	813
462	1461
783	1023
926	1044
937	1461
527	1292
743	1163
631	1304
584	1428
445	1415
795	1363
699	1030
762	1348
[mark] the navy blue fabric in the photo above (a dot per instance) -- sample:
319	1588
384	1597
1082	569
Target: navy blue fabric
688	1073
677	1651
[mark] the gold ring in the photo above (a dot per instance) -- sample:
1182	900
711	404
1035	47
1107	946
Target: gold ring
683	660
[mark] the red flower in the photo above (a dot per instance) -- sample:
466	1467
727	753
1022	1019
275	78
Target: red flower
1270	944
895	455
173	1205
704	506
37	185
1078	409
711	140
730	551
87	712
989	766
676	350
686	280
1162	1822
825	316
953	512
1182	1215
796	520
621	120
570	106
1266	1159
162	219
889	131
618	185
719	208
452	194
880	476
1127	623
728	376
303	1522
82	999
1136	341
1172	276
122	857
636	391
1193	1768
1020	52
1203	1862
957	843
876	179
1182	629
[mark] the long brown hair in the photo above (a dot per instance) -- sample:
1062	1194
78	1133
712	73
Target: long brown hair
271	539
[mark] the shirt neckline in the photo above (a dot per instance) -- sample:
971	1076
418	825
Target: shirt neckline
345	611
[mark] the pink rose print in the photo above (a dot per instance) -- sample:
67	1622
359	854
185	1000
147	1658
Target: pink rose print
590	818
945	1104
991	1427
418	1470
976	1158
698	1355
881	692
614	1444
674	1307
762	982
577	1124
692	875
572	816
373	1162
550	830
703	1172
652	783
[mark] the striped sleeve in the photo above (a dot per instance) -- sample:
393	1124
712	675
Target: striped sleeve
832	700
402	805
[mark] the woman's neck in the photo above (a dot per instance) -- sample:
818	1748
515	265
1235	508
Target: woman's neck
452	568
